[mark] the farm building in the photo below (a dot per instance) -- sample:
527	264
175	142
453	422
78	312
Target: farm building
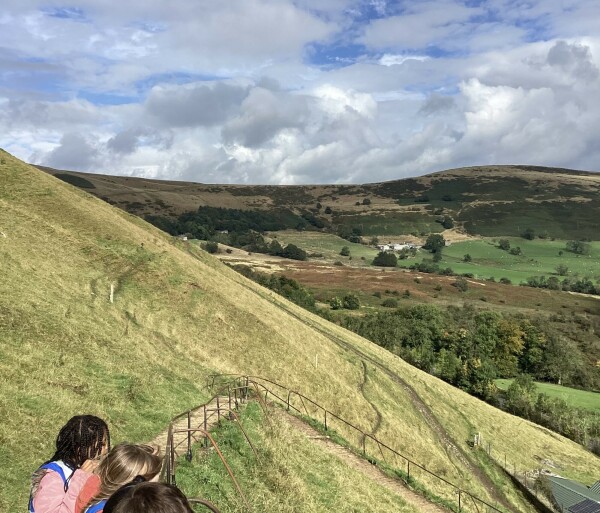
396	247
573	497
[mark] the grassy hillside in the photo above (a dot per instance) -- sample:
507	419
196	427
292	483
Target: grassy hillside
178	315
491	201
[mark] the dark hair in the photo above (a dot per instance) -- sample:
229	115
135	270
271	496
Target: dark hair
148	497
83	437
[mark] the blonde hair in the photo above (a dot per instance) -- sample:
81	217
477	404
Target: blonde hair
122	464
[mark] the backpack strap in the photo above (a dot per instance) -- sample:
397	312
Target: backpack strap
95	508
61	469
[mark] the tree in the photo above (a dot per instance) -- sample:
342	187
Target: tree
211	247
467	258
390	302
345	251
562	270
516	251
521	396
351	302
294	252
384	259
461	284
578	247
335	303
434	243
275	248
328	210
504	244
529	234
447	222
366	201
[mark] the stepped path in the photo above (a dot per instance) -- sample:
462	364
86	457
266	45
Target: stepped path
196	422
362	465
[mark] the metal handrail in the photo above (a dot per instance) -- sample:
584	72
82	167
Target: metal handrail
168	468
258	382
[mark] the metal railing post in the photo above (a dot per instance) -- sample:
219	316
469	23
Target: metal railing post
188	454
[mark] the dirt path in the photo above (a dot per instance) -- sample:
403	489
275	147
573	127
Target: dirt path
361	465
456	455
378	416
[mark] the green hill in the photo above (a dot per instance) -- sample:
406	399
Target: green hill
487	200
179	315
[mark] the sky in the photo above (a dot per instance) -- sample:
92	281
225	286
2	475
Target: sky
299	91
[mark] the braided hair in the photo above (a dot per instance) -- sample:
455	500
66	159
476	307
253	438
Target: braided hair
83	437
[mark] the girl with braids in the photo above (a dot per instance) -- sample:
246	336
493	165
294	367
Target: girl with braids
80	444
121	465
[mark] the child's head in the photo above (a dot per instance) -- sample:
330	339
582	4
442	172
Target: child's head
148	498
83	438
123	463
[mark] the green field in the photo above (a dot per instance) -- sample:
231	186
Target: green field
540	257
573	397
328	245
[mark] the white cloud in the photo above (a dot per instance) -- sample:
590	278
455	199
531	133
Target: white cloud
226	92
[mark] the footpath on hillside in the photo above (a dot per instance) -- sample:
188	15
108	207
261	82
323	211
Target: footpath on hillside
324	443
370	471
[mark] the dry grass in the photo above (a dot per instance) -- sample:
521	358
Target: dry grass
178	315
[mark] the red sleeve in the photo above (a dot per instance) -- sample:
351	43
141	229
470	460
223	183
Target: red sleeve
89	490
51	497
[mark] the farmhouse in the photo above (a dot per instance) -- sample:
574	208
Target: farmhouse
396	247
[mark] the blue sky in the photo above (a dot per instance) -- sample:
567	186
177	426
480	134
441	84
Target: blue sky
304	91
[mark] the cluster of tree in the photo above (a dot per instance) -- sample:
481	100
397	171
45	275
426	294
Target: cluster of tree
385	259
285	287
237	228
583	285
435	243
350	233
522	399
578	247
349	302
470	348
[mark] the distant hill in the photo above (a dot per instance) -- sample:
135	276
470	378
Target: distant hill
483	200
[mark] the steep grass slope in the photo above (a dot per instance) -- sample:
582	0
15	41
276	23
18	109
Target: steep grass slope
178	315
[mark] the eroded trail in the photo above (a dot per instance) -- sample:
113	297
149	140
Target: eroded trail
456	455
363	466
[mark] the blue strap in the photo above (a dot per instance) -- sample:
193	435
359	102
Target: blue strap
52	465
95	508
57	468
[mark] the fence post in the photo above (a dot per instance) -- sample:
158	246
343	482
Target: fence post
235	398
172	458
459	502
188	455
288	400
407	470
218	410
205	427
325	419
364	444
229	395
